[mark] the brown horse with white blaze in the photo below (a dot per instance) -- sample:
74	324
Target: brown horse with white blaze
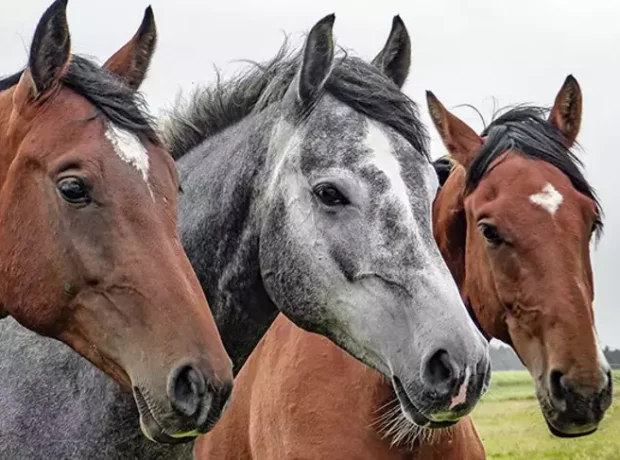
514	222
89	250
518	217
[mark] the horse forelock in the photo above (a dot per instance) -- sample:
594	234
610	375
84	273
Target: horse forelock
526	130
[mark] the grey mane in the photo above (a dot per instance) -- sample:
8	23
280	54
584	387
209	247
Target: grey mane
352	81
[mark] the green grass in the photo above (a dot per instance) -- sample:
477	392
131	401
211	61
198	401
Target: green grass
512	427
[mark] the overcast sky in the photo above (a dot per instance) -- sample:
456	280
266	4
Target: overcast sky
465	52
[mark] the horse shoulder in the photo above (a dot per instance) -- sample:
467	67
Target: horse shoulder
312	399
252	419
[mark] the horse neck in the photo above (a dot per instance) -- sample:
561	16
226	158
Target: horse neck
219	227
450	229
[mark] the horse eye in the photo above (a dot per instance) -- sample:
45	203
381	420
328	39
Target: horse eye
330	195
73	190
491	234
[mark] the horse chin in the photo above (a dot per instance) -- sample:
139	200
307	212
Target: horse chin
413	414
569	430
149	426
560	430
571	434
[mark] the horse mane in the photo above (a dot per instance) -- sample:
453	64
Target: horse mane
123	106
352	81
443	167
525	129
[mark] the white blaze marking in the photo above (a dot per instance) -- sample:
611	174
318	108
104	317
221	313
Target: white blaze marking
461	396
378	142
285	143
129	149
549	198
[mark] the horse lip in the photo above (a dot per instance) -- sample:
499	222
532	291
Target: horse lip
412	413
151	429
562	434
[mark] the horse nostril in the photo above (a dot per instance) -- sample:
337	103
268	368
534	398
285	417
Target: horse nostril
557	384
610	381
441	372
186	389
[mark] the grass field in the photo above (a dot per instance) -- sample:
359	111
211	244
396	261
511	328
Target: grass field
512	426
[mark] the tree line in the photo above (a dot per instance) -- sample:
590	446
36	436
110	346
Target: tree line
503	358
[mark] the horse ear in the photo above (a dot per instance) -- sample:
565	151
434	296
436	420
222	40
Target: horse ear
394	59
131	62
318	58
566	112
50	51
460	140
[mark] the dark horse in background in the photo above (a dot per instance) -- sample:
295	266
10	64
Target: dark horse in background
89	250
280	168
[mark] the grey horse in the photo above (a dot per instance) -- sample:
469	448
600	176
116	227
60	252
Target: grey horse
307	190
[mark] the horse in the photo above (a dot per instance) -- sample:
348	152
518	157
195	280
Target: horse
514	220
237	145
101	267
315	166
299	396
530	216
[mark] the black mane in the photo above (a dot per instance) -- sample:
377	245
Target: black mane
119	103
352	81
443	167
525	129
